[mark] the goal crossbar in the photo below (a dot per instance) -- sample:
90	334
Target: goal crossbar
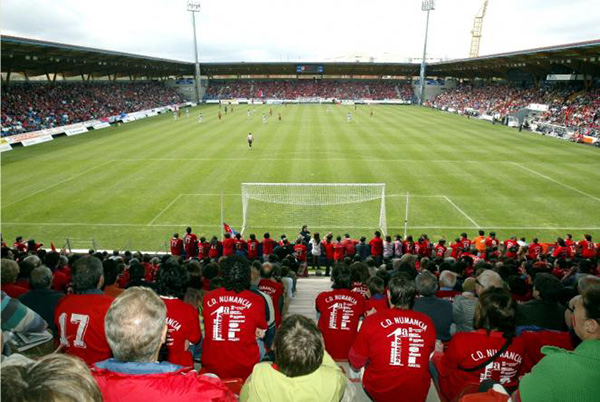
316	204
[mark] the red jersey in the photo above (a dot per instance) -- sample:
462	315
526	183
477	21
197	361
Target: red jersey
338	251
534	251
176	246
228	246
562	253
240	245
13	290
203	249
329	250
377	302
21	246
350	246
409	247
572	245
253	249
421	249
376	244
440	251
189	242
183	326
231	319
340	311
60	281
492	242
180	386
466	243
510	248
361	288
275	291
397	344
213	250
468	349
457	250
447	294
79	319
300	250
268	245
587	249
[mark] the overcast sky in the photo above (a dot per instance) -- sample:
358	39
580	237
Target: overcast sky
306	30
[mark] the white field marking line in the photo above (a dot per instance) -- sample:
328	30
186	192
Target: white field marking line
57	184
302	159
556	181
168	225
462	212
164	209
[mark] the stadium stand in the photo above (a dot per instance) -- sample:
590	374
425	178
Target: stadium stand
293	89
556	274
577	110
31	107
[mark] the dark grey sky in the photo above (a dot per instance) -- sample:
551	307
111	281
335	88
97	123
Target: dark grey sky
317	30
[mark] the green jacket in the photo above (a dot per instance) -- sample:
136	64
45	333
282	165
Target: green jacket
564	375
327	383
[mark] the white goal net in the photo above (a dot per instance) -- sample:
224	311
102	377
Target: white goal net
325	206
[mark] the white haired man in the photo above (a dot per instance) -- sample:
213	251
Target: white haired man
463	307
136	328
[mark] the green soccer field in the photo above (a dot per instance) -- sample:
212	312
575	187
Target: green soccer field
133	186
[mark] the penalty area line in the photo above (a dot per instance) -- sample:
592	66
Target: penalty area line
462	212
164	209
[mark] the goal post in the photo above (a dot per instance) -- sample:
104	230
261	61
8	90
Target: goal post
325	206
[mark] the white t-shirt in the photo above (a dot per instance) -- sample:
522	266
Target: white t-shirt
250	138
316	247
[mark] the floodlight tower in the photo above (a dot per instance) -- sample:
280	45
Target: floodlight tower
426	5
193	6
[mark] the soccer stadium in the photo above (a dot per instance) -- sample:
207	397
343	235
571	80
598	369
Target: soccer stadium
197	216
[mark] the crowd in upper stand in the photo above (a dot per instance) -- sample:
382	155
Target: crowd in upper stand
577	110
142	323
293	89
31	107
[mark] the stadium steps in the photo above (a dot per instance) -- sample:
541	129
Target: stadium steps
303	303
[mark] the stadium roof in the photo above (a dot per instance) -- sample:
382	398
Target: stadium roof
34	58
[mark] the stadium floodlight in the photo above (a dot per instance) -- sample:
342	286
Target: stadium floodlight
193	6
426	5
325	206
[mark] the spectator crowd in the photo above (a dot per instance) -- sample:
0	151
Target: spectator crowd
579	111
209	321
294	89
32	107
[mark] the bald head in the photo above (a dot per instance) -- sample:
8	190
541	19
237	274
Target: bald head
488	279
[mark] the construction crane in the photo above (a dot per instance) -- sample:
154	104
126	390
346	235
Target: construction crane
476	32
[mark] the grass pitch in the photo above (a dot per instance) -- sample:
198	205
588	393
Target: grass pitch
133	186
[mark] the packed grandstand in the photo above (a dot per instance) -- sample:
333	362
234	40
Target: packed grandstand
399	317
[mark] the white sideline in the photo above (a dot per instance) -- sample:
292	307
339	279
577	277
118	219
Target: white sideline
461	211
168	225
164	209
56	184
555	181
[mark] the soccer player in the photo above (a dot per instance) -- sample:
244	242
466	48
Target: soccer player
234	317
349	117
395	346
176	245
219	115
200	118
279	116
79	317
174	114
187	112
190	241
340	310
264	118
248	113
250	140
